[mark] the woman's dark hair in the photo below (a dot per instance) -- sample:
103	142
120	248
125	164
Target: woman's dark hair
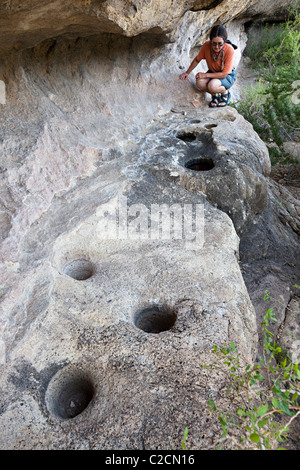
220	31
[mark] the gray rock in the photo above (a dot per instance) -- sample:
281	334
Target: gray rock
107	317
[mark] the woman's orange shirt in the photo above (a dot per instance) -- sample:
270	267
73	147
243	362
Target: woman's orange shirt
215	66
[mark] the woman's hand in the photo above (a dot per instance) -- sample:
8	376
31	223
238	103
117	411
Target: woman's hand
183	76
200	75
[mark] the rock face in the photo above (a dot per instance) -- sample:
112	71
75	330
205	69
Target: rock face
123	202
27	23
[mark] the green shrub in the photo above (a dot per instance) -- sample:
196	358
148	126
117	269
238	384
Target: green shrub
259	393
271	106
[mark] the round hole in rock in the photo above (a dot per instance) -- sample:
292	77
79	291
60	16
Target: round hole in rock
186	136
154	319
200	164
69	394
195	121
210	126
79	269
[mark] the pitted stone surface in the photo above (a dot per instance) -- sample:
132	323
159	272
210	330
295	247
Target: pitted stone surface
87	123
85	292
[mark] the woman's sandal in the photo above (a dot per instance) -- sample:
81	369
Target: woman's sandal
224	100
214	102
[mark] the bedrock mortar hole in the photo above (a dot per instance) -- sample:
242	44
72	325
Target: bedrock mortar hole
79	269
154	319
200	164
186	136
69	394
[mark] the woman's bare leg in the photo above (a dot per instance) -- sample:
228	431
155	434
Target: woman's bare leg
202	83
214	86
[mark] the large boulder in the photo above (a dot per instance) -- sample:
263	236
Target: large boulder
104	330
104	336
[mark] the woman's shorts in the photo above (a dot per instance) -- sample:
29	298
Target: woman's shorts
228	81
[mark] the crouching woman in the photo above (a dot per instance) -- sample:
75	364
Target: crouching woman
220	76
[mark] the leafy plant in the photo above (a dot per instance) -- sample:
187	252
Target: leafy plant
183	445
260	392
270	107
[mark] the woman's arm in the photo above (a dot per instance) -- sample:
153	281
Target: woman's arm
185	75
219	75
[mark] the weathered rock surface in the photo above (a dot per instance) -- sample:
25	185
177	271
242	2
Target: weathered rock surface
103	337
27	23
